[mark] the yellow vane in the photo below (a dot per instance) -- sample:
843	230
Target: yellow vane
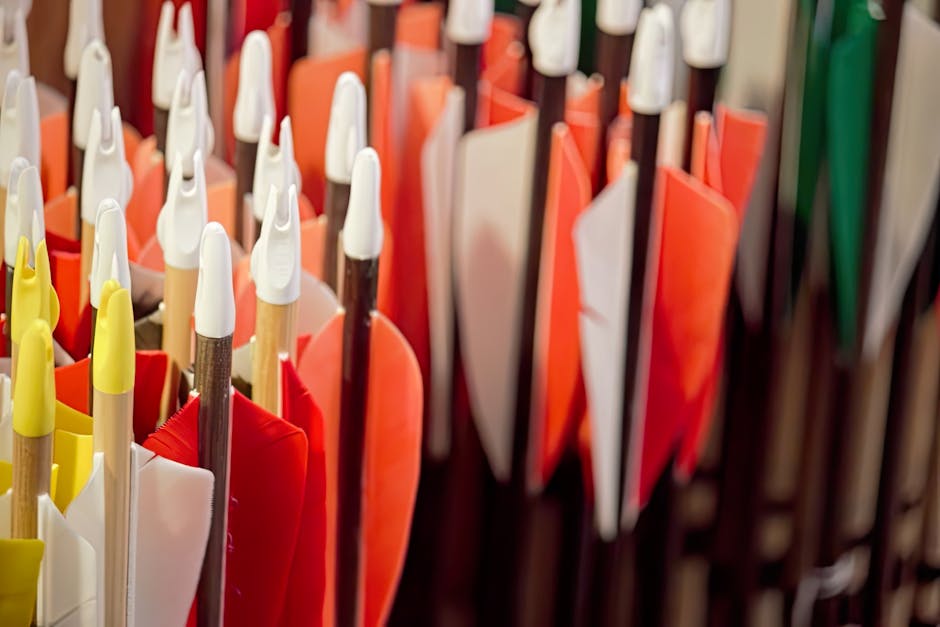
33	294
34	401
114	341
18	577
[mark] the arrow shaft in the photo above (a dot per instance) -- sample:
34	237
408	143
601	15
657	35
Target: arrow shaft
336	203
32	464
361	277
213	382
113	435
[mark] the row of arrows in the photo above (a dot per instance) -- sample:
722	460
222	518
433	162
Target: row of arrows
423	325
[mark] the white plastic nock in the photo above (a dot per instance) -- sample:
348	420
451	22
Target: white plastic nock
93	91
275	167
618	17
275	259
19	123
183	217
555	36
189	129
173	53
85	25
24	210
469	21
362	231
346	133
14	44
105	172
255	98
652	65
531	3
706	32
109	259
215	296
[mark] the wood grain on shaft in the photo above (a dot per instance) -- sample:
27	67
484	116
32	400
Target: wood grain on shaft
113	434
160	121
275	333
336	202
213	382
360	287
32	469
702	85
466	76
88	250
245	154
179	298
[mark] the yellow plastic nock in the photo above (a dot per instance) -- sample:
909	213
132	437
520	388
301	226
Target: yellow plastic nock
34	397
33	294
114	341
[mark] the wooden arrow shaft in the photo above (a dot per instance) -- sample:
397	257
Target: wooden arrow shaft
161	119
336	202
361	278
613	63
213	382
245	154
113	435
275	333
466	76
702	85
32	467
